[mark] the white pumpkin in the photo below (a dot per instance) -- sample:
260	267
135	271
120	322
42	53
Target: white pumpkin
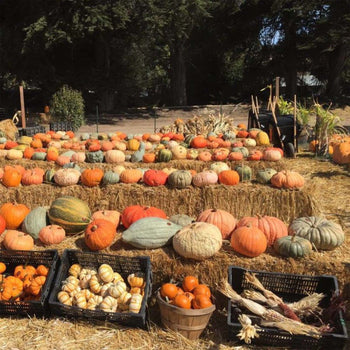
14	154
119	145
118	169
218	167
198	241
78	157
179	152
66	177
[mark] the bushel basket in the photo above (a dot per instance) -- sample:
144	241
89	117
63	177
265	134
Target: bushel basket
140	265
11	259
290	288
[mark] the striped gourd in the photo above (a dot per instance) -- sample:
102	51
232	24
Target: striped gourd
70	213
150	233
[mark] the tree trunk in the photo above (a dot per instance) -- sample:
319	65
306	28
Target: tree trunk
105	92
178	75
337	61
290	57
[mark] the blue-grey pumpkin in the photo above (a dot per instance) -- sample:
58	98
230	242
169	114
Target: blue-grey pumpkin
110	178
35	221
94	157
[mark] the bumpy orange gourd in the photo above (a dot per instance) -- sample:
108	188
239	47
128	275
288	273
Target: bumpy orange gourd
99	234
14	214
189	283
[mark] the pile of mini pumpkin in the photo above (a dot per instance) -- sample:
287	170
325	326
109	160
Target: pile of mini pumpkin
24	284
189	295
101	289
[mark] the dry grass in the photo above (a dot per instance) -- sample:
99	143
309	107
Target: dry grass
327	191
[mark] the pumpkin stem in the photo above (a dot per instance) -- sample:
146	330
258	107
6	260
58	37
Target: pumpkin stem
93	228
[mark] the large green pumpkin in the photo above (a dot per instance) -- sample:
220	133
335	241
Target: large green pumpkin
264	176
35	221
110	178
324	234
94	157
242	150
181	219
180	179
293	246
39	156
164	155
245	172
150	233
71	213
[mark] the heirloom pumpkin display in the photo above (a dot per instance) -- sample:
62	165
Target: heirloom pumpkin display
99	234
11	178
180	179
17	240
248	241
198	241
71	213
225	221
136	212
287	179
244	172
114	156
52	234
91	177
153	177
35	221
293	246
273	228
324	234
150	233
14	214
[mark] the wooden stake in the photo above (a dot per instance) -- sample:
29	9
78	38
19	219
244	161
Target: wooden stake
257	105
23	112
255	110
274	102
295	124
277	89
269	105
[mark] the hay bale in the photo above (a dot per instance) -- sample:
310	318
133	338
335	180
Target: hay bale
8	127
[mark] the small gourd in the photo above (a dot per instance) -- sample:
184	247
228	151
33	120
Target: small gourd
135	303
109	304
135	281
116	290
95	284
64	298
105	272
105	289
75	270
70	284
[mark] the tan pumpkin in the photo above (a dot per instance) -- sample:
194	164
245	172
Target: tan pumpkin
110	215
66	177
114	156
52	234
131	176
78	157
287	179
17	240
179	152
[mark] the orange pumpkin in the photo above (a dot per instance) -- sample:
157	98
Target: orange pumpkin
228	177
341	153
13	214
99	234
248	241
189	283
205	156
28	152
149	158
36	285
181	300
17	240
91	177
42	270
131	176
201	301
2	267
110	215
11	178
199	142
168	290
202	289
23	271
287	179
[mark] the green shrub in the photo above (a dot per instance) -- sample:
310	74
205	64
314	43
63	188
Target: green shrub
67	105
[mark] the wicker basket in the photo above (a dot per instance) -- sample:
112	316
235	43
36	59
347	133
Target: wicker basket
188	322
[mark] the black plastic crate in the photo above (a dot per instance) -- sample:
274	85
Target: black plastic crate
61	126
291	288
50	259
31	130
140	265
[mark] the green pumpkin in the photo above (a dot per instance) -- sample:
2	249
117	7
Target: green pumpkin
264	176
71	213
67	154
293	246
180	179
48	176
35	221
182	219
110	178
94	157
188	139
39	156
150	233
242	150
72	165
324	234
164	155
245	172
84	136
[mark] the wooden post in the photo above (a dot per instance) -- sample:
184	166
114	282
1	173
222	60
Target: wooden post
277	89
255	112
23	112
295	124
269	106
273	104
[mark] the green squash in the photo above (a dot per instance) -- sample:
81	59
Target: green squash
39	156
264	176
35	221
182	219
71	213
72	165
188	139
293	246
110	178
94	157
180	179
137	156
164	155
229	136
245	172
150	233
242	150
68	154
49	175
324	234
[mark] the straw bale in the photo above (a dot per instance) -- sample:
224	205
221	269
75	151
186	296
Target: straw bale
9	128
